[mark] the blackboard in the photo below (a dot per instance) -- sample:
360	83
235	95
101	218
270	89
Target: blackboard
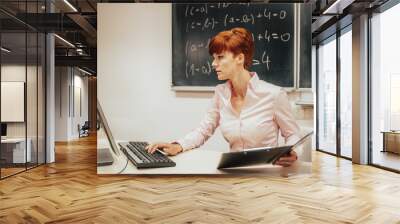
273	29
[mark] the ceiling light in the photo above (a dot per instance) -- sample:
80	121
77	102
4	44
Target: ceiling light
5	50
70	5
332	9
64	40
84	71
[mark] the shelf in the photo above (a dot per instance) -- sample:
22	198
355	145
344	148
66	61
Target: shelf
305	103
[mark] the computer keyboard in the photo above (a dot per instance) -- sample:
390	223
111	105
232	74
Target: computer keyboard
139	156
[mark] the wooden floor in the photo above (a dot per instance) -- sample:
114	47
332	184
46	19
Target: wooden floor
8	171
5	172
70	191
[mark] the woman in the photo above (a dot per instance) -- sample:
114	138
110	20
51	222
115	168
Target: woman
249	111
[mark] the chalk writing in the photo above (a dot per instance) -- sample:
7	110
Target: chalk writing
271	26
193	69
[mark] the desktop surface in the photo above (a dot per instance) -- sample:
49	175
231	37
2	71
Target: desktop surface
200	161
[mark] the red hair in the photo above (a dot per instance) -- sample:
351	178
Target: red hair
237	40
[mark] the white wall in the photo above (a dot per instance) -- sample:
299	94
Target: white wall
61	103
81	104
134	77
68	82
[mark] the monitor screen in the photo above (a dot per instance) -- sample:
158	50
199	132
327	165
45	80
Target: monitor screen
107	129
3	129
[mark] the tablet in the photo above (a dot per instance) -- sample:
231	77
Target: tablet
252	157
257	156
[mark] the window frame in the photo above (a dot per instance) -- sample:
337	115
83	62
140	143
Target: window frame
334	37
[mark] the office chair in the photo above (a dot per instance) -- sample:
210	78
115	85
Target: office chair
84	130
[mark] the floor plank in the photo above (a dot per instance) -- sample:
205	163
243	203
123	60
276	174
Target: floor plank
70	191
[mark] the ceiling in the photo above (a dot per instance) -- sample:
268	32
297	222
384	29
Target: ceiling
76	22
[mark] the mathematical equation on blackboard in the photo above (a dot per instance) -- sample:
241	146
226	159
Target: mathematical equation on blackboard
271	27
192	69
192	10
191	46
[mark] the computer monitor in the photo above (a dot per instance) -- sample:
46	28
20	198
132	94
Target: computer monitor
3	129
107	129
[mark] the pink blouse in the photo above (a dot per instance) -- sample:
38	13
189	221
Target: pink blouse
265	111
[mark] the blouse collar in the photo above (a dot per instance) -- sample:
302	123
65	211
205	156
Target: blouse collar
251	85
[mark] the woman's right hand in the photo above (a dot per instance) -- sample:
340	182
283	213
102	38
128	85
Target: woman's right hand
170	149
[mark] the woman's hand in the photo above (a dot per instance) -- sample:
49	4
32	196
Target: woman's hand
170	149
287	160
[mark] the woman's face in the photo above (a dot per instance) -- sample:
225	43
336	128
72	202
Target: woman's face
226	64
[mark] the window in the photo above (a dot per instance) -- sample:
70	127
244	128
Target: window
346	93
327	96
385	88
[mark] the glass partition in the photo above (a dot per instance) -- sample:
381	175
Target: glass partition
41	96
327	96
385	89
22	88
31	100
346	93
14	153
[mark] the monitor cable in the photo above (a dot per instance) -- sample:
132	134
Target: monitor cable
126	164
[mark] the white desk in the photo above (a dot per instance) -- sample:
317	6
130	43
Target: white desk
18	149
200	161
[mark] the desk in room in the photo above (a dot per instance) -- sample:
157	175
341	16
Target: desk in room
391	141
13	150
201	161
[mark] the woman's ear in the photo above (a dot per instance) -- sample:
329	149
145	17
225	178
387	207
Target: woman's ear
240	58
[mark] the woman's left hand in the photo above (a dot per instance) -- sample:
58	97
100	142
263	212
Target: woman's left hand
287	160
